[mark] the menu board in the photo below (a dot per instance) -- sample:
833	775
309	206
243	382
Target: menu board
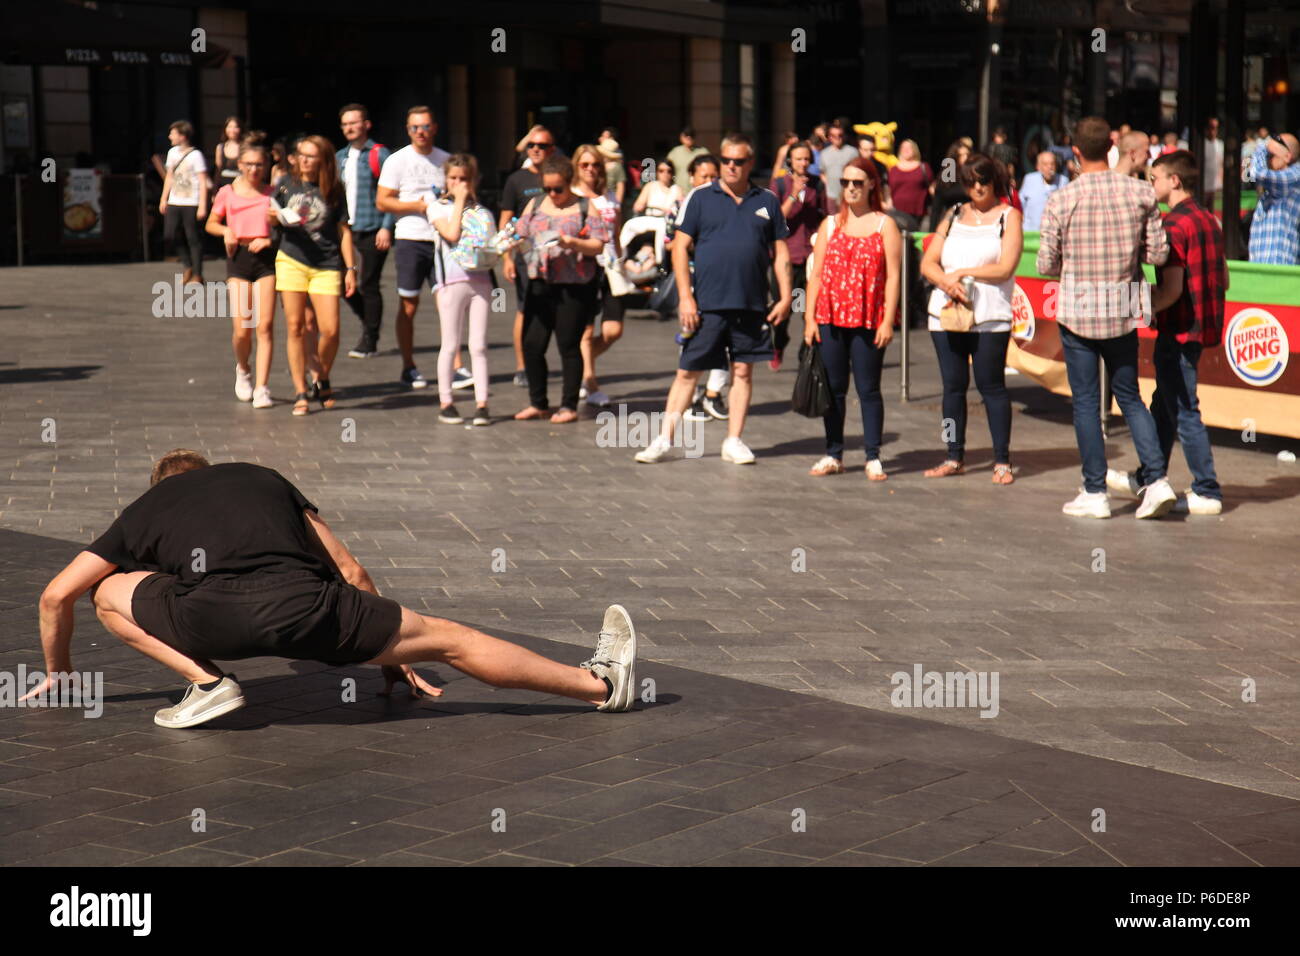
82	210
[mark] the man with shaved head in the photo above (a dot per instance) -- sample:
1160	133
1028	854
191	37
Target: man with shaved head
1275	170
1133	154
1038	186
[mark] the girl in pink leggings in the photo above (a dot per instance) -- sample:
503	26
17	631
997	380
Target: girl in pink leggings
461	291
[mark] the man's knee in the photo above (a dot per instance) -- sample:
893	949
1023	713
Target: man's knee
741	371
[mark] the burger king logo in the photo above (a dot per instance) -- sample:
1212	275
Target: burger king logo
1256	346
1022	315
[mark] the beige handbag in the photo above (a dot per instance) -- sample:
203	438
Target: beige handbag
955	317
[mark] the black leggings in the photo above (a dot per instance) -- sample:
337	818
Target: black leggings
565	310
988	351
841	350
190	249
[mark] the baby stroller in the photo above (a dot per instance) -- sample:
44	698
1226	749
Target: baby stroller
645	268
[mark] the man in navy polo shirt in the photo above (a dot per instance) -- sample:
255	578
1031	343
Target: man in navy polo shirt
736	229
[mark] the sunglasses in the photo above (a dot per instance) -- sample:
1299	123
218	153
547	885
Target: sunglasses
590	165
732	161
541	145
252	165
422	128
557	190
846	183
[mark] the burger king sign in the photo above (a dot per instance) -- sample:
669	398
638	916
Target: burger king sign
1256	346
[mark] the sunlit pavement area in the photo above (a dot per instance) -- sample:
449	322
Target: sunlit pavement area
772	610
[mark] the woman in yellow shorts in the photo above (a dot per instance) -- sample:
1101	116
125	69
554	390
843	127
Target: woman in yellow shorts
316	244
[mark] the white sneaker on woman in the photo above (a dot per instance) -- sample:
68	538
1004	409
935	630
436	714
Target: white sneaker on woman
262	397
243	384
737	452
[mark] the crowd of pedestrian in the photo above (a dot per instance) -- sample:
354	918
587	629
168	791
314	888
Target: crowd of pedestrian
315	223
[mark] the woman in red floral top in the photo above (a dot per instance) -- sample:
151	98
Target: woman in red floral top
560	297
852	301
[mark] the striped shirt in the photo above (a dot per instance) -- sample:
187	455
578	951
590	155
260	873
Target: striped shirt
1096	233
1275	227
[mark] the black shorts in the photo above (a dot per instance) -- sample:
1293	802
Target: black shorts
294	614
732	335
521	281
251	266
414	265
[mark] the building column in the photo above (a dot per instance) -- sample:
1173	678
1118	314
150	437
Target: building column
65	114
781	95
704	90
219	87
457	134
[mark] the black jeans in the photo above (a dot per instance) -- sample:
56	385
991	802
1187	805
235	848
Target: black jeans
190	249
988	350
842	348
565	310
798	280
368	301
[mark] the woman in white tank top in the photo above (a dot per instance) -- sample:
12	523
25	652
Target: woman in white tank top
982	239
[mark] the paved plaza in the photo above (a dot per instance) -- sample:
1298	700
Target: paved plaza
771	608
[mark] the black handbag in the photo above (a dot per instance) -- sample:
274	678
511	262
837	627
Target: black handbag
663	297
812	390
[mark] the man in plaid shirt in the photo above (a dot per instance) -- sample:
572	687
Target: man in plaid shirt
1095	234
1275	169
372	230
1189	308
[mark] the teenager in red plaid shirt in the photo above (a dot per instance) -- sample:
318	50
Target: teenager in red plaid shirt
1189	305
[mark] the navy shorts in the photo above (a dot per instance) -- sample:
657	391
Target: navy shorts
414	265
732	335
295	614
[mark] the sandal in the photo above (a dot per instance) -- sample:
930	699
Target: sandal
324	394
827	466
313	390
530	413
301	405
949	467
876	471
1002	474
564	416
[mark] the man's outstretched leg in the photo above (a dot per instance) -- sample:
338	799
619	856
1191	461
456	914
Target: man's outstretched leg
607	680
210	693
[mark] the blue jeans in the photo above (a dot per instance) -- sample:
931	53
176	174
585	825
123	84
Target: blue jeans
1178	413
841	348
1121	357
957	351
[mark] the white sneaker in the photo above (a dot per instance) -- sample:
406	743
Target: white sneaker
876	470
1088	505
1198	505
582	393
262	397
1157	499
737	452
1123	482
655	451
198	706
615	659
243	385
463	378
597	398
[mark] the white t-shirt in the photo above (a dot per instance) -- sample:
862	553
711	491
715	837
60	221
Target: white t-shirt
607	206
1214	161
415	175
448	270
969	247
350	182
186	168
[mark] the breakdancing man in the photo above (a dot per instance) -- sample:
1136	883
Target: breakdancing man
231	561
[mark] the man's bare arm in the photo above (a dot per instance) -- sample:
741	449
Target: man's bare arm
83	573
347	566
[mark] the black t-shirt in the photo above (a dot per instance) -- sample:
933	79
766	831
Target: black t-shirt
521	186
245	517
315	242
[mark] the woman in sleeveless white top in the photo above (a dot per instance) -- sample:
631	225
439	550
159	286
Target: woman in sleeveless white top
982	239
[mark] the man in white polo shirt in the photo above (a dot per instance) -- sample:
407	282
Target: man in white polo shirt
411	180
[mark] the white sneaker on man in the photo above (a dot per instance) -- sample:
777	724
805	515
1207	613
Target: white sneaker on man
737	452
655	451
615	659
243	384
1198	505
1157	499
1123	482
1094	504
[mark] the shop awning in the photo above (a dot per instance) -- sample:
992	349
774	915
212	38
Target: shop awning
66	34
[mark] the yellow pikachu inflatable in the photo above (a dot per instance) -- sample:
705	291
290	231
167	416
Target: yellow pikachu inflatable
884	134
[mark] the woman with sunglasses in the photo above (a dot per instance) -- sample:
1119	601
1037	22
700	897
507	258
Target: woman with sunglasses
851	302
316	244
560	299
981	239
591	183
240	216
660	195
